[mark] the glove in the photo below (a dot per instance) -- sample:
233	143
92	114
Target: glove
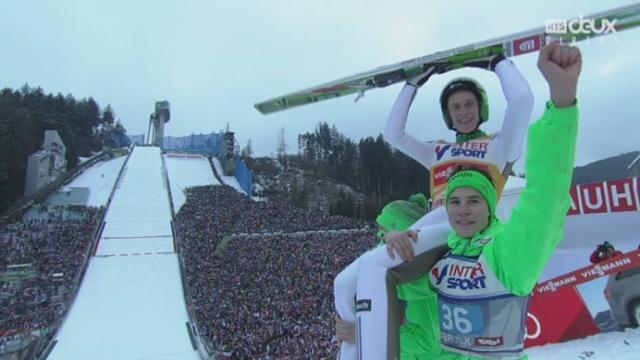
430	69
488	63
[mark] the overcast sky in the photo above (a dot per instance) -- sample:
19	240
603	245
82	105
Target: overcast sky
212	60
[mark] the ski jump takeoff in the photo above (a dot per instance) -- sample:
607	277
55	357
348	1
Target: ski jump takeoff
489	269
465	107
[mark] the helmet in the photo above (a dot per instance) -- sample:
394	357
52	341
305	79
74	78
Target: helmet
464	84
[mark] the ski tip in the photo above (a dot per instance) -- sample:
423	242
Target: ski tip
267	107
258	107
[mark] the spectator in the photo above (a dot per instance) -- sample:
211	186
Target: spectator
603	252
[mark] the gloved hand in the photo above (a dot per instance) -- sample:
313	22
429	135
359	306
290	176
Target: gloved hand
488	63
435	68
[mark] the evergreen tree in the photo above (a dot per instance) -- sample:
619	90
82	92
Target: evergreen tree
247	151
26	113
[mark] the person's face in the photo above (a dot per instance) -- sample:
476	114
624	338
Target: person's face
468	212
463	110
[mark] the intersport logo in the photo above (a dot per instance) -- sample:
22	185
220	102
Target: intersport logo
441	150
476	150
439	275
460	276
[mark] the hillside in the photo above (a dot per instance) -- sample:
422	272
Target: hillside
606	169
308	189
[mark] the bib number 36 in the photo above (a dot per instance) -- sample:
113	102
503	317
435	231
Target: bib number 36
458	319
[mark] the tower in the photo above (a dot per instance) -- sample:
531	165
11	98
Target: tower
157	119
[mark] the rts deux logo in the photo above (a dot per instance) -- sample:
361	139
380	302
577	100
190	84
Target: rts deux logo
580	26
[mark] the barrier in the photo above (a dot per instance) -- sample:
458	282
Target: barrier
203	143
244	176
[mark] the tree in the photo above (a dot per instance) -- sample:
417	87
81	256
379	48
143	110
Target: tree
281	148
24	116
247	151
108	116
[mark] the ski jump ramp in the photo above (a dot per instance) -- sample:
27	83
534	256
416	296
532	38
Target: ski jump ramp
130	304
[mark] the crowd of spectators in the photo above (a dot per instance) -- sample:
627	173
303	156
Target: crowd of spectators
234	212
41	257
267	296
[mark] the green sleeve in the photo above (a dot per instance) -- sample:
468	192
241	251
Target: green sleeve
520	252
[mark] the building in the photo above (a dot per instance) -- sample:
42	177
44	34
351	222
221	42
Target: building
157	119
47	164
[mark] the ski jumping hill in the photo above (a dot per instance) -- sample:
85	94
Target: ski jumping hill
130	304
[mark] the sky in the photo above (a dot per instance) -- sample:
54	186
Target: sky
212	60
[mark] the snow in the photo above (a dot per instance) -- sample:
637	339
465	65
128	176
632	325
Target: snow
129	307
618	345
514	183
187	171
140	206
227	180
130	304
100	179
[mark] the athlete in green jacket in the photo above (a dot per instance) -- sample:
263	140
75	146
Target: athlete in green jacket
484	281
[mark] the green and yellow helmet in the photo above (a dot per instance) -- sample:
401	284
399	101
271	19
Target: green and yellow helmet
463	83
401	214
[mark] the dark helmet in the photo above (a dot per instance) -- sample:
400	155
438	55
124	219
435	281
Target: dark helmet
459	84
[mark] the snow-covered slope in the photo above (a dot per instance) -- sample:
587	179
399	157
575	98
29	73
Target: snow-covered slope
186	171
618	345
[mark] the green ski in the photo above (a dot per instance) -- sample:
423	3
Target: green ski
512	45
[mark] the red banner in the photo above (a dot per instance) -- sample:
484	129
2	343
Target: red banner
558	316
619	263
605	197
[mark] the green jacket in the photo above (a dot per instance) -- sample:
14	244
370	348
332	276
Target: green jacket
521	248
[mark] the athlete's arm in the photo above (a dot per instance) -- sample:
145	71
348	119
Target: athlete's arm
519	106
519	254
394	130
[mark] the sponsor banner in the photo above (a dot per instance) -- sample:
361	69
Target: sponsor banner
611	266
527	44
605	197
184	155
441	172
558	316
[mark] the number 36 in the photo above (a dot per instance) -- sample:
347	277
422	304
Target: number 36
455	318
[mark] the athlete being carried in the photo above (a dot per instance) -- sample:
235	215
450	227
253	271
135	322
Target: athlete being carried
465	107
